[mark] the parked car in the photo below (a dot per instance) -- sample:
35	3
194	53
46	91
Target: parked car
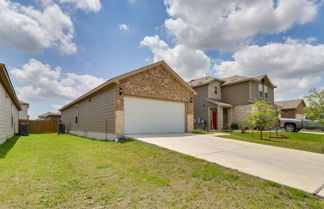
295	125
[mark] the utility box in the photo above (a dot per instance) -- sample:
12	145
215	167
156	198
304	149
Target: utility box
60	128
23	129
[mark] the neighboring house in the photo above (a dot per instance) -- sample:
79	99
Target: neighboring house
292	108
9	106
23	113
221	102
50	116
152	99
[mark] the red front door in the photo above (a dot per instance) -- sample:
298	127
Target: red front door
214	120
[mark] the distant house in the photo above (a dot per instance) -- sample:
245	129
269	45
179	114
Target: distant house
23	113
221	102
291	108
152	99
50	116
9	106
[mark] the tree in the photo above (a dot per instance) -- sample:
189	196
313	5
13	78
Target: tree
262	115
315	107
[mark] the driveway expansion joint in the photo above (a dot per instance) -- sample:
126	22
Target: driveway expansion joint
318	189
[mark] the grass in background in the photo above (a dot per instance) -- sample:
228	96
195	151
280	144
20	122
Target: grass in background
299	141
198	131
65	171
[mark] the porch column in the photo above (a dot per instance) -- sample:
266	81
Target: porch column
229	117
219	118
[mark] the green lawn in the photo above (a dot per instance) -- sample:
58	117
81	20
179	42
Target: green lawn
51	171
299	141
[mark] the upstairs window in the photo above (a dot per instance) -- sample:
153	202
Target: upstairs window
266	92
216	89
260	90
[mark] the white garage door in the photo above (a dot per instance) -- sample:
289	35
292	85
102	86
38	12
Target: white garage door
153	116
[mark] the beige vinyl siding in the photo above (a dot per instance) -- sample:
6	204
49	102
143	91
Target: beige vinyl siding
23	114
211	90
271	95
6	129
95	115
236	94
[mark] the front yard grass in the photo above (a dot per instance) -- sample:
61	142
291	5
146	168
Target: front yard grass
299	141
65	171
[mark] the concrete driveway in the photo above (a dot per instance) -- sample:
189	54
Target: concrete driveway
298	169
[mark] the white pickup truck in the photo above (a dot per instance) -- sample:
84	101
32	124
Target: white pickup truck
295	125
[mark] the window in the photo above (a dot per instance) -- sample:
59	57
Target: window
216	89
260	90
266	92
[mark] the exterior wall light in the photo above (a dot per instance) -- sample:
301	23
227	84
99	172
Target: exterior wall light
121	91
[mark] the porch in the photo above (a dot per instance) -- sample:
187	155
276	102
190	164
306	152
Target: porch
219	117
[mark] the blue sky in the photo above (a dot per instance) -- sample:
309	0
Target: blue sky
73	45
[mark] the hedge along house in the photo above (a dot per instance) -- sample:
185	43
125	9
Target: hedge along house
152	99
9	106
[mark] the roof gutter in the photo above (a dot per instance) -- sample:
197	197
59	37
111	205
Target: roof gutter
5	80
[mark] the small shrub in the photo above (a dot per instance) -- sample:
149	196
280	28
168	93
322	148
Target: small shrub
234	126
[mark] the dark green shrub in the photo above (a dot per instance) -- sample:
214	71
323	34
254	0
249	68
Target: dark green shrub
234	126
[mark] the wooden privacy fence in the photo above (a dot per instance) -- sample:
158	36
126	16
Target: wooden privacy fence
41	126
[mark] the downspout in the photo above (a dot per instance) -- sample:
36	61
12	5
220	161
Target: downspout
250	91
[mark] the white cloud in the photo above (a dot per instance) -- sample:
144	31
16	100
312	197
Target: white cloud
188	63
42	83
56	107
30	30
222	24
294	65
123	27
87	5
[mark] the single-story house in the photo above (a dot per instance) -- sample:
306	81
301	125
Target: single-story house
23	113
9	106
152	99
50	116
291	108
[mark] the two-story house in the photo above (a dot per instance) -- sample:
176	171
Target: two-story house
221	102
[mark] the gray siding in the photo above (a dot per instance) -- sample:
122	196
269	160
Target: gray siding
256	96
6	129
95	115
201	105
236	94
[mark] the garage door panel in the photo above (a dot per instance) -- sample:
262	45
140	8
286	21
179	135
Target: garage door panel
153	116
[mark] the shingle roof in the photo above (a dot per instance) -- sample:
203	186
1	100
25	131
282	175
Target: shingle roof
238	78
49	114
203	81
6	82
289	104
23	103
116	79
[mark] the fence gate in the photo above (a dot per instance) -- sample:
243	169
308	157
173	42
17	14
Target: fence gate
41	126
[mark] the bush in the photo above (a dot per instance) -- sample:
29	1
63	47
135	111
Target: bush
234	126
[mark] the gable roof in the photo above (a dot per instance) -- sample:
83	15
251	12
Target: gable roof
23	103
115	80
45	115
238	79
203	81
6	82
290	104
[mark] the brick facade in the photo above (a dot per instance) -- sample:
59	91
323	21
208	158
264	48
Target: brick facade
155	83
240	113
